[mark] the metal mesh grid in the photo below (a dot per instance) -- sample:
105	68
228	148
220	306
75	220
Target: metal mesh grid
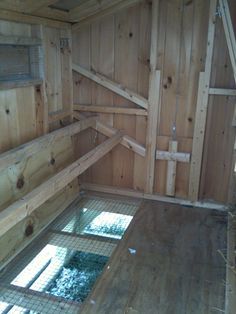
76	239
98	216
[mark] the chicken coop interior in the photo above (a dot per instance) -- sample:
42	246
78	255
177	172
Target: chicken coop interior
118	156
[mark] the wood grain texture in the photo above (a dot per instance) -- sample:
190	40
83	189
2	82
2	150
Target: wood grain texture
174	266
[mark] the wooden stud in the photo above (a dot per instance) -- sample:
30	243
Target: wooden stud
222	91
171	170
201	111
154	102
20	40
111	110
22	208
112	86
154	197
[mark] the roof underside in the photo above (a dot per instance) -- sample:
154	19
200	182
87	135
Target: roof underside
72	11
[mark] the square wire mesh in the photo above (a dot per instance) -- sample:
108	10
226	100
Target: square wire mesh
57	271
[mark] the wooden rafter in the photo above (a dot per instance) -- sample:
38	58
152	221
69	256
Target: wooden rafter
22	208
112	86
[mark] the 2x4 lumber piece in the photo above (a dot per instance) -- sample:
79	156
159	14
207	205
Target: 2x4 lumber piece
222	92
8	15
134	145
58	115
201	110
112	86
109	131
229	33
20	40
154	197
82	243
171	170
15	155
24	207
154	102
111	110
38	302
115	8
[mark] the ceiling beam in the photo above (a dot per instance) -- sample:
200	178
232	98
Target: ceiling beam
85	20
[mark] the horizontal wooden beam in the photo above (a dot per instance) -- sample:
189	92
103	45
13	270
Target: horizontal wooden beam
111	10
109	131
112	86
24	207
19	40
171	156
134	145
21	83
111	110
21	152
222	91
39	302
155	197
82	243
30	19
58	115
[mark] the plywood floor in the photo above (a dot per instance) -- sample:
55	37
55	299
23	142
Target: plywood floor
167	263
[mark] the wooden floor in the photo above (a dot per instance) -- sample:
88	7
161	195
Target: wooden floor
167	263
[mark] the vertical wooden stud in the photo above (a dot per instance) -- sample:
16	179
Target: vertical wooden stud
201	110
154	102
171	170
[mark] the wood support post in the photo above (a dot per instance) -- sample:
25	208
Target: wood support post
154	102
201	111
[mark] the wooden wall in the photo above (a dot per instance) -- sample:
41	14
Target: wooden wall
23	113
118	46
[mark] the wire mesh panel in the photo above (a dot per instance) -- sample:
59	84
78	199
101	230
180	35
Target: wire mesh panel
57	271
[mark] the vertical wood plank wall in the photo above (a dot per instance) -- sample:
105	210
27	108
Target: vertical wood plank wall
21	119
118	47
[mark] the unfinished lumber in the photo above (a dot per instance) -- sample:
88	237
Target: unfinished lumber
229	33
111	110
108	11
171	170
127	141
155	197
201	110
154	102
134	145
36	301
15	155
27	205
82	243
20	40
222	91
9	15
58	115
112	86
